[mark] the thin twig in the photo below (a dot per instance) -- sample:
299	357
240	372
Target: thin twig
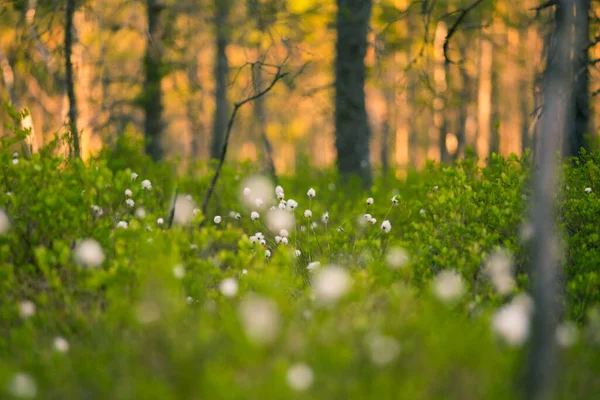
278	76
454	28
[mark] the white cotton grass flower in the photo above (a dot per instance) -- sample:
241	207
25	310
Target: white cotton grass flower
97	211
260	319
311	193
499	270
268	253
184	210
422	211
367	217
300	377
160	221
373	221
244	272
395	200
128	192
146	184
122	225
331	283
196	212
567	334
89	254
312	266
386	226
22	386
4	222
448	286
134	176
278	239
15	161
229	287
254	215
140	213
435	188
253	239
307	214
130	203
282	205
588	190
325	217
27	309
280	219
147	312
297	253
396	257
15	155
260	190
382	349
370	201
178	271
237	216
60	344
284	233
217	219
292	204
284	240
263	243
512	321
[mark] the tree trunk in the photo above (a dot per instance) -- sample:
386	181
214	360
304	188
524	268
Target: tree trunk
579	130
69	12
351	121
555	122
152	94
194	110
259	115
220	72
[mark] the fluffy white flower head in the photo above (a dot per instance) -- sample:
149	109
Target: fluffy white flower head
146	184
307	214
134	176
254	215
184	210
130	203
88	253
26	309
370	201
217	219
292	204
60	344
311	193
331	283
22	386
160	221
178	271
260	319
386	226
4	223
284	233
448	286
300	377
229	287
511	322
588	190
128	192
247	191
280	219
122	224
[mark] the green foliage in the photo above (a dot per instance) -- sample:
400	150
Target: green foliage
153	320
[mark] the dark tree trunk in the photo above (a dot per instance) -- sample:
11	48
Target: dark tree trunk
70	11
194	110
220	72
556	120
579	130
351	120
152	94
259	115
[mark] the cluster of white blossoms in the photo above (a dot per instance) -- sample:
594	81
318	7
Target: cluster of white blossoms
499	270
260	319
512	321
89	254
448	286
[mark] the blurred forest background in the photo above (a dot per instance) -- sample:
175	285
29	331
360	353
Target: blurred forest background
441	75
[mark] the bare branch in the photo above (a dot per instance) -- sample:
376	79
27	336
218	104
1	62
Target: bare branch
454	27
278	76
